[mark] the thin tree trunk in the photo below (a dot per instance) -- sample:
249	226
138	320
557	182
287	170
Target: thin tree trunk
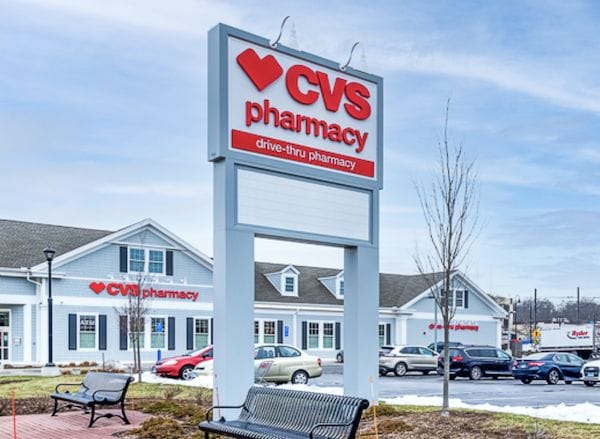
446	387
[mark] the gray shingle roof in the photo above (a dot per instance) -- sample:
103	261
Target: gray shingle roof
21	243
394	289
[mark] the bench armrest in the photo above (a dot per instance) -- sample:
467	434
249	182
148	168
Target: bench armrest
105	391
66	384
316	427
210	410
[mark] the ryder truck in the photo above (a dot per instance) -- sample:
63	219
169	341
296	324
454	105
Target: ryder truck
572	338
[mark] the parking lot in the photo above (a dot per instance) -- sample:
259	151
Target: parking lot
503	391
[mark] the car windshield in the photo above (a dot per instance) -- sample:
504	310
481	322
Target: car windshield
196	352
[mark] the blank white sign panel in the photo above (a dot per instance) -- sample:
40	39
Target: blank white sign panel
268	200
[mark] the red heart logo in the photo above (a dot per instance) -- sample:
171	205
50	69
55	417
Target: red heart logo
261	72
97	287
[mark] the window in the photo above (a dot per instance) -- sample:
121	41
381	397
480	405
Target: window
412	350
456	299
87	332
289	284
286	351
341	287
269	331
156	264
381	335
201	333
313	335
428	352
140	331
327	335
4	318
265	352
146	260
137	261
157	332
256	331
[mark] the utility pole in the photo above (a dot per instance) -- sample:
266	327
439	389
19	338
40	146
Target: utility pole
535	308
578	319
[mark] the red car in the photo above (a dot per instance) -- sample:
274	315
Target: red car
182	365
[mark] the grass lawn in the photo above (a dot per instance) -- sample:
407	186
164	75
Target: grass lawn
186	406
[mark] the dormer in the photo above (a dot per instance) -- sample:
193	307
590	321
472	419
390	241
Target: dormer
335	284
285	281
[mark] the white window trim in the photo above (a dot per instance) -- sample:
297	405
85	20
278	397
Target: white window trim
338	287
289	275
454	291
194	332
147	259
9	334
384	332
261	330
145	331
97	317
148	334
321	334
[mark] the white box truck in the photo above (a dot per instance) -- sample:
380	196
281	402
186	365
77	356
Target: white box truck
567	337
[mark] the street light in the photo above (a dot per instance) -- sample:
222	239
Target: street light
49	253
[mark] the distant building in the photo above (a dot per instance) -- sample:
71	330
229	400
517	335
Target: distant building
94	271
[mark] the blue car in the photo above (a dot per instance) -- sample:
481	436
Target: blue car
549	366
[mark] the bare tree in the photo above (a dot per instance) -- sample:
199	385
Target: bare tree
451	209
136	309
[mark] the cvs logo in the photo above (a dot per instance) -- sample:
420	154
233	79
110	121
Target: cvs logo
306	85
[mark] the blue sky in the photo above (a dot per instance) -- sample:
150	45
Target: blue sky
103	120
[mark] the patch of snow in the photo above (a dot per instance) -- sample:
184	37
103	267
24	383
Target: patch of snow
317	389
200	381
585	412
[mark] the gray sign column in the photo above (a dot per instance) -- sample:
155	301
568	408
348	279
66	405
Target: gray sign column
233	280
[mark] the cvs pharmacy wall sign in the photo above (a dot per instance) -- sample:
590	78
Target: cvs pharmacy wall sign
291	107
118	289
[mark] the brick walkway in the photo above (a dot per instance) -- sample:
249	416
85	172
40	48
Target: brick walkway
66	425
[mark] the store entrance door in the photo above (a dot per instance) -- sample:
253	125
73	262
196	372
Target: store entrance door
4	336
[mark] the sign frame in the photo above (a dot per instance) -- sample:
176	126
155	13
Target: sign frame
218	99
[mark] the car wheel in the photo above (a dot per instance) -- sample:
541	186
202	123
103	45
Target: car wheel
475	373
400	369
186	373
339	358
452	377
425	372
299	377
568	382
494	377
589	383
553	377
526	380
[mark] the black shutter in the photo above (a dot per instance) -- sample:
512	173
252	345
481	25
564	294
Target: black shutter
466	299
72	332
123	333
190	333
304	335
102	332
123	259
279	331
169	263
388	334
211	331
171	333
338	336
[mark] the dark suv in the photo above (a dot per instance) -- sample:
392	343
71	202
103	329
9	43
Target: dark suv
476	362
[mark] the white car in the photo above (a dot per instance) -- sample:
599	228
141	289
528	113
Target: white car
590	373
276	363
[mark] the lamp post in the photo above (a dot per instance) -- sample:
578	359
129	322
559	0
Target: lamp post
49	253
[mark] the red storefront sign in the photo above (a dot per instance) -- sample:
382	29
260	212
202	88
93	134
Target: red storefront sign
124	290
455	327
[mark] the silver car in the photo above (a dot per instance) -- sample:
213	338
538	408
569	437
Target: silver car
403	359
277	363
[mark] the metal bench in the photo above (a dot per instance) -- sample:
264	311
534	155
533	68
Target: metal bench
97	389
273	413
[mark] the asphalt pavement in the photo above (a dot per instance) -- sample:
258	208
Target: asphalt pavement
503	391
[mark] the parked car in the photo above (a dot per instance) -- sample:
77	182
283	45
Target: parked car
286	364
590	373
476	362
404	359
439	346
181	366
549	366
339	357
